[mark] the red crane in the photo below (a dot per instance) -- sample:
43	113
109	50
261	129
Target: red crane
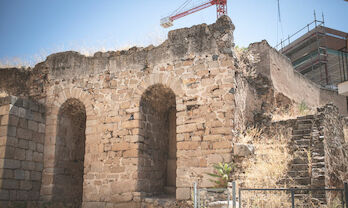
221	9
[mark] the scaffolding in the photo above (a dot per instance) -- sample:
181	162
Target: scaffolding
318	52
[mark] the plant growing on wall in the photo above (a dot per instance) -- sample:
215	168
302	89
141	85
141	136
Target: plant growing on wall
222	174
303	107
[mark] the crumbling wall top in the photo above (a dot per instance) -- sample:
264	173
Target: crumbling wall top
186	42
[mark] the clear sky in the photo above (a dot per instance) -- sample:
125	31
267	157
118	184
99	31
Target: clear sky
32	29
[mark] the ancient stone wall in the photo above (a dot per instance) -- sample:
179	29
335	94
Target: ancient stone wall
319	152
126	125
22	145
292	84
156	118
23	82
335	149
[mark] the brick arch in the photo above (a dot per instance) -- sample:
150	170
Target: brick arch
172	82
53	106
157	171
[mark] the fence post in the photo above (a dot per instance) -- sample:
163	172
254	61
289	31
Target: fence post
229	193
195	194
240	198
346	193
292	198
234	194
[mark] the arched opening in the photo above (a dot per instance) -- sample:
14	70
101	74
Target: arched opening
69	153
157	158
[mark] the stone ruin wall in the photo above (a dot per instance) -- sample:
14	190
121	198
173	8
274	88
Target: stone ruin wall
127	115
319	152
22	134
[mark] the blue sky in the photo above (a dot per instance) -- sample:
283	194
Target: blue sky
32	29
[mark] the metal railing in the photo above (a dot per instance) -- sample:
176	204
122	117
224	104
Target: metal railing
229	195
292	192
283	43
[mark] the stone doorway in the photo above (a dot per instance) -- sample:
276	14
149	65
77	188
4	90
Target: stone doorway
69	153
157	155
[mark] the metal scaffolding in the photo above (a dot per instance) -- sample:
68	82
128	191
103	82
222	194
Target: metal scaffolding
318	52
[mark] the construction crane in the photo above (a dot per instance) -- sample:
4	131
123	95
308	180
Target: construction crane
221	9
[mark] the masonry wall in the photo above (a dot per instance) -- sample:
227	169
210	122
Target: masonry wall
149	120
125	149
335	148
292	84
22	138
319	153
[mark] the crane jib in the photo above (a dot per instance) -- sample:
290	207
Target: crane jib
221	9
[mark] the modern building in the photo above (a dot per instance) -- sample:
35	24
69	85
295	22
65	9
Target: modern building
319	53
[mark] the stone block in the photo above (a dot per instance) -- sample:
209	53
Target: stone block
243	150
23	123
183	193
24	133
24	144
2	152
186	128
38	117
19	174
37	157
10	164
32	125
12	141
32	145
131	153
11	131
124	197
13	195
33	106
211	137
41	128
25	185
120	146
222	145
40	148
9	184
22	112
6	173
4	109
187	145
13	120
20	154
4	195
88	204
27	175
29	155
123	187
221	130
28	165
22	195
3	131
130	124
38	166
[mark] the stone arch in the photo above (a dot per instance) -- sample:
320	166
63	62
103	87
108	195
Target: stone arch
157	149
54	105
69	153
167	80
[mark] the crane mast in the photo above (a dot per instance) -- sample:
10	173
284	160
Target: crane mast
221	9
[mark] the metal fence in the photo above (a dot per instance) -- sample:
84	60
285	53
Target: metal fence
304	201
215	197
227	197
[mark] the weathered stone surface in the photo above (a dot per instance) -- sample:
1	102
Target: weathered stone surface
119	126
183	193
243	150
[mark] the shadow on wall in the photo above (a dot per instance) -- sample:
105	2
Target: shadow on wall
69	153
22	130
157	142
